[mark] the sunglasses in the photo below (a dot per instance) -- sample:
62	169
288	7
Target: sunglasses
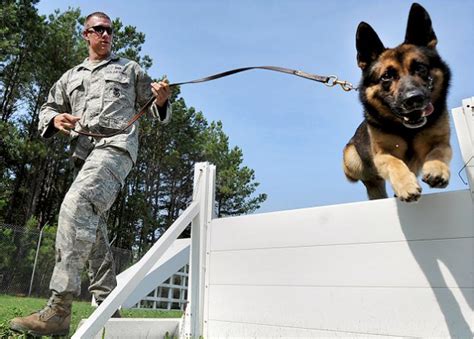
101	29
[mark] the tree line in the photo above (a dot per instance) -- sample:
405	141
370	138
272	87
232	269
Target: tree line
35	173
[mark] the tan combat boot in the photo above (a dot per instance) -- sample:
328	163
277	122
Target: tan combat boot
54	319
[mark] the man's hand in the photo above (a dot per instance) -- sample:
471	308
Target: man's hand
65	122
161	91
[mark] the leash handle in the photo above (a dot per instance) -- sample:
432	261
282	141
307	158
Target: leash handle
330	81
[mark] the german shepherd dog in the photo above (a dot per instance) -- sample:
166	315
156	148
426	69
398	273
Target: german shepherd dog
406	126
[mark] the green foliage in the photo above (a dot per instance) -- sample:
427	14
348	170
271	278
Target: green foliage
27	74
7	246
22	30
22	243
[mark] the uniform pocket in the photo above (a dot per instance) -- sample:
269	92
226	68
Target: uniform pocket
76	95
102	177
118	105
116	87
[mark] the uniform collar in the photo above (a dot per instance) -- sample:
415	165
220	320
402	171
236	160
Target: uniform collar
86	64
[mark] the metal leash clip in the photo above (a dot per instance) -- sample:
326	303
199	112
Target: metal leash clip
345	85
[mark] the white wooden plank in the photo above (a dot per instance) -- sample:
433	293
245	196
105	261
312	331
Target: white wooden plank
462	132
435	216
381	264
463	118
225	329
128	328
204	193
468	108
416	312
211	214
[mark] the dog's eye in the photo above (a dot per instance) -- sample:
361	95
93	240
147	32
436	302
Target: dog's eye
388	75
421	70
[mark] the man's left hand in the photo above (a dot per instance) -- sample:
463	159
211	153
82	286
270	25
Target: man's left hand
161	90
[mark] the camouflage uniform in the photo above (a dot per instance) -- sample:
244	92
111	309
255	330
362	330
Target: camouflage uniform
105	95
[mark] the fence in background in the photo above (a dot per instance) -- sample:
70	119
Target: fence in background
19	246
172	294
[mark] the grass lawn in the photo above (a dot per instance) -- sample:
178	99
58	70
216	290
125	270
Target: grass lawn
11	307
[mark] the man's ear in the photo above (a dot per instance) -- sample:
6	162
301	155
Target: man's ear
419	29
85	36
368	45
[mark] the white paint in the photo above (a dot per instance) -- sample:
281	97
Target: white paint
464	122
374	265
225	329
376	268
146	328
405	312
361	222
204	190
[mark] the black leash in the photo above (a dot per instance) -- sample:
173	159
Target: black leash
330	81
323	79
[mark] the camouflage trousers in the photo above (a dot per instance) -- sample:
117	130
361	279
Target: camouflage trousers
82	231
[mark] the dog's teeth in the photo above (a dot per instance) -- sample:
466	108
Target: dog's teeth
406	119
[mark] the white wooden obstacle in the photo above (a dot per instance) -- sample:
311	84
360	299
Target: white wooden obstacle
358	269
464	122
368	269
174	259
199	212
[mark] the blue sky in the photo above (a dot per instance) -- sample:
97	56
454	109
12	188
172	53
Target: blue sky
292	131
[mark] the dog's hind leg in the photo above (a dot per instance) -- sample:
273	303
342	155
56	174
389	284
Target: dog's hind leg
375	188
357	167
352	163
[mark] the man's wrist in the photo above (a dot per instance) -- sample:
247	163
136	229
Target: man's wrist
162	110
50	129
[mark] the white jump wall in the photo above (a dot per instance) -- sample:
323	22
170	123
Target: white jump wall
376	268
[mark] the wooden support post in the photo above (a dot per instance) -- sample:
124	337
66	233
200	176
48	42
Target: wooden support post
204	193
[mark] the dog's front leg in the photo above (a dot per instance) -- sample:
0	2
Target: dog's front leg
435	169
404	182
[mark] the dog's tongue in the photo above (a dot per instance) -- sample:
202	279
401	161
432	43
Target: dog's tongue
428	110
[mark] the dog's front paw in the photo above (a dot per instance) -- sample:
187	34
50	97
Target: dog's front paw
407	189
436	174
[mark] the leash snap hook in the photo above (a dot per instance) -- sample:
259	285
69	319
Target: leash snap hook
345	85
331	81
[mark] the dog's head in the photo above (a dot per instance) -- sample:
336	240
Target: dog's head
405	84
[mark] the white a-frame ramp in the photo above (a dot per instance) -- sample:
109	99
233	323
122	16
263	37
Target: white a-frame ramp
369	269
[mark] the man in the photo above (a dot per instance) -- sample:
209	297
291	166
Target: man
100	95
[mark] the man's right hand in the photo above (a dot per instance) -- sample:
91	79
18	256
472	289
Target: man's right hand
65	122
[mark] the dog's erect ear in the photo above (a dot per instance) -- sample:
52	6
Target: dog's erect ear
368	45
419	29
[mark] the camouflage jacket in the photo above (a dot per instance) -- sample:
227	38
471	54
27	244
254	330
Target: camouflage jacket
105	95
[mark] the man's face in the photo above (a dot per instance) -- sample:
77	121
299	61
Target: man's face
98	31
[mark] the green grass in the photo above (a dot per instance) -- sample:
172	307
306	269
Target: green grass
11	307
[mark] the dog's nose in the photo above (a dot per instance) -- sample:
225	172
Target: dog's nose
413	100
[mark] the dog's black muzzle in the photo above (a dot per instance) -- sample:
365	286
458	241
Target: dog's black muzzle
414	104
